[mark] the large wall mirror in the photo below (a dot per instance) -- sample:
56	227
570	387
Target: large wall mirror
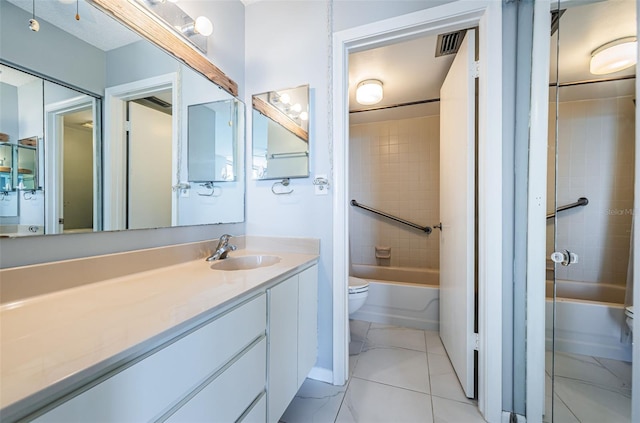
110	119
281	134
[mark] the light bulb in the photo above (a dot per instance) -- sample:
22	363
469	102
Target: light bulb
369	92
34	25
304	116
203	26
297	108
614	56
285	98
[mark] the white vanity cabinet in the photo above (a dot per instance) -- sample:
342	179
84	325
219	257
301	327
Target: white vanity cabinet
292	336
244	364
224	359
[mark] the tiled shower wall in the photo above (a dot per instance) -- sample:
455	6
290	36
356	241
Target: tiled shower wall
394	166
595	160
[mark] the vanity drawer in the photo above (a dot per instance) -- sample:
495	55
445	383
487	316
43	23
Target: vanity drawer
227	396
152	386
258	414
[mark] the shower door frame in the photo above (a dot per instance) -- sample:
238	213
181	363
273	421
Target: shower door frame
487	15
536	221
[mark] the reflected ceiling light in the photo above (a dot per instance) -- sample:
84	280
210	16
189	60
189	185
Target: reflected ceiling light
304	116
169	12
614	56
369	92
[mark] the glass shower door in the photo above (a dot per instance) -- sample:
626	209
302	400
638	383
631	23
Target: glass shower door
590	202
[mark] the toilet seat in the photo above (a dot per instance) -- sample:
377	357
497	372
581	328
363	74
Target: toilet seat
357	285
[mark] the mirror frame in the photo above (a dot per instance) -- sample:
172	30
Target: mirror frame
156	31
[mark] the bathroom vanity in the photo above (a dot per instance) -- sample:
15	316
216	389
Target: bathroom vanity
186	342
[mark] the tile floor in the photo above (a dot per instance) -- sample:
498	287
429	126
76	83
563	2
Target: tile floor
397	375
588	389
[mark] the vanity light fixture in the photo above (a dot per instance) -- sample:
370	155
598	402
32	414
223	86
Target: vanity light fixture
170	14
202	25
34	25
614	56
369	92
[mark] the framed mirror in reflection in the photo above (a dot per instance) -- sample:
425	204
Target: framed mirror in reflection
111	121
281	134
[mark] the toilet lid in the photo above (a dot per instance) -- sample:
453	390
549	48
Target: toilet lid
357	285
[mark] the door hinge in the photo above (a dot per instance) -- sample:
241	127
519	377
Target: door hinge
475	70
127	125
476	342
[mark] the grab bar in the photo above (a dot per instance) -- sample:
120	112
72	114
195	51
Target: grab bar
582	201
426	229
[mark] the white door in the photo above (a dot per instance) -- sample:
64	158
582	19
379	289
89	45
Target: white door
457	212
149	175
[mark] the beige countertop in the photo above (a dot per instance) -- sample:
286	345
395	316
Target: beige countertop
55	340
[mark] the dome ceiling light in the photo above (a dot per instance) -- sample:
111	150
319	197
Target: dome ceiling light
369	92
614	56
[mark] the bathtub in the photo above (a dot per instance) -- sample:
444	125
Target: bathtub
583	324
407	297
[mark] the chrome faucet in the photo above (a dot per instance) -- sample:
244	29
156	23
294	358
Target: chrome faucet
222	249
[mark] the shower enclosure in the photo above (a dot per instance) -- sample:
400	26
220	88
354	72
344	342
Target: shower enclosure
590	205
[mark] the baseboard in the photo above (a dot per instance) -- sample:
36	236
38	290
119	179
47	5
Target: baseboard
321	374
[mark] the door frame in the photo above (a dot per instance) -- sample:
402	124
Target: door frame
487	15
115	144
53	164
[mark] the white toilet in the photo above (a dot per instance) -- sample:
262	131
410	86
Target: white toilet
358	292
628	312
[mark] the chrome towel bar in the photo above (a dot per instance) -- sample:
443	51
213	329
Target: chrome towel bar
425	229
582	201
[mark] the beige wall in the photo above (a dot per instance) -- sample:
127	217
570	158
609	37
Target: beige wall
394	167
595	160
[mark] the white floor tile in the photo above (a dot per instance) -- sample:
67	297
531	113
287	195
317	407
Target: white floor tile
394	366
446	410
370	402
316	402
444	382
586	369
393	336
591	403
434	343
621	369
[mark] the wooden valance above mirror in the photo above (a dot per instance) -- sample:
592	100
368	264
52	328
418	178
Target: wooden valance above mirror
153	29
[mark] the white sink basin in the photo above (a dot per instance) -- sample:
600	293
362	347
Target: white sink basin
245	262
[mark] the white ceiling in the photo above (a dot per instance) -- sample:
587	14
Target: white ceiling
94	26
410	71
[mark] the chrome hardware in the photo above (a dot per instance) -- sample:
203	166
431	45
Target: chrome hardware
285	183
425	229
222	249
438	226
565	258
582	201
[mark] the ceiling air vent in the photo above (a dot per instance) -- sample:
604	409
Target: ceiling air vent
449	43
155	100
555	20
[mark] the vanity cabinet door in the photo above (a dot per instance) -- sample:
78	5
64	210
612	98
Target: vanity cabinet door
307	322
149	388
283	347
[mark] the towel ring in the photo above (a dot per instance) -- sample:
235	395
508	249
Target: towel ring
285	183
210	186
